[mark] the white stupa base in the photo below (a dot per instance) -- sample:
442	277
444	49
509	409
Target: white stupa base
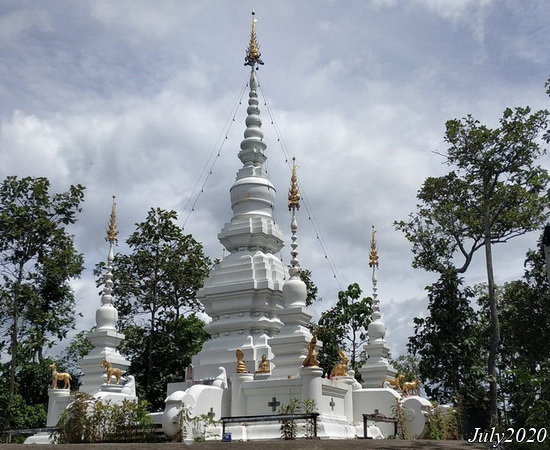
42	438
117	393
327	428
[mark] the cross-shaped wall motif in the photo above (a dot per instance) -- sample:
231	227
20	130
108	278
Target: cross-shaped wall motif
273	403
211	413
332	404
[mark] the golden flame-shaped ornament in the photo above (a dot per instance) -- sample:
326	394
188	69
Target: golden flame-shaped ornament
293	193
253	52
373	253
112	232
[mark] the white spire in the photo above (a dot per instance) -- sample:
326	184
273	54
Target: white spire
377	328
377	368
107	315
290	345
293	205
243	293
252	194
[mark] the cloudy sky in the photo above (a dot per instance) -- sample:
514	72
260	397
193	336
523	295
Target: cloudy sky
137	97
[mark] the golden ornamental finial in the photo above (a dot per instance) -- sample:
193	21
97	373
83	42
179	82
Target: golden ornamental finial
373	254
112	232
293	193
253	52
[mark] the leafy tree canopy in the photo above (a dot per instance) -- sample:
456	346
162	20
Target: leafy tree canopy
311	288
495	182
174	343
494	193
344	327
449	345
37	260
525	356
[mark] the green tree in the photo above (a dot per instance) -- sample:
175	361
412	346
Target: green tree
449	345
174	343
311	288
330	331
37	259
496	192
78	347
407	365
155	288
52	314
345	327
161	275
525	355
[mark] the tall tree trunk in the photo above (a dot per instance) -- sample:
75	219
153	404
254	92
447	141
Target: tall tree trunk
150	353
495	330
14	344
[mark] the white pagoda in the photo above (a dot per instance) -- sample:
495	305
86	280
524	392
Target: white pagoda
261	353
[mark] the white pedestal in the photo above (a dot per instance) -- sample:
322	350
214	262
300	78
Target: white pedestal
311	383
238	398
58	400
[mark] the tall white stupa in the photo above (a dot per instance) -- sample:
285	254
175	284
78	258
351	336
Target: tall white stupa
243	293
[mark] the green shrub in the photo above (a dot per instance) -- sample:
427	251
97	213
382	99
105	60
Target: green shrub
309	408
289	429
400	415
88	420
444	425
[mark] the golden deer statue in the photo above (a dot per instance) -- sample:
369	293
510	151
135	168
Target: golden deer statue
395	383
411	387
56	376
111	371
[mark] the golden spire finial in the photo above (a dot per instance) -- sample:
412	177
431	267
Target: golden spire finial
253	52
293	193
373	254
112	232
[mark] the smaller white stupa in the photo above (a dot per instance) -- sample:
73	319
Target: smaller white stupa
105	338
290	345
377	367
